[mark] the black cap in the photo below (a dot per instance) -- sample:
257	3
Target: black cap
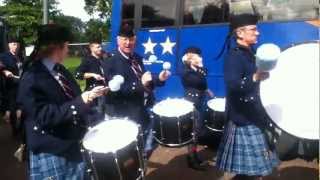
13	39
193	50
240	20
53	34
126	31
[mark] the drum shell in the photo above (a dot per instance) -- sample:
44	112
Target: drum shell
125	164
289	147
173	131
214	120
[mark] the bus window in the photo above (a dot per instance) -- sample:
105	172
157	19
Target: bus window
291	9
128	12
158	13
277	9
205	12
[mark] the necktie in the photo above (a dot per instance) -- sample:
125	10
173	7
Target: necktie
64	83
135	67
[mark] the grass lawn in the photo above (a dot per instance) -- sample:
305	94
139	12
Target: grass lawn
71	63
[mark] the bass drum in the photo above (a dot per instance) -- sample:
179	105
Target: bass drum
291	99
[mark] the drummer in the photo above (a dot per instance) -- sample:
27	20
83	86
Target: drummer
136	93
54	110
243	150
195	89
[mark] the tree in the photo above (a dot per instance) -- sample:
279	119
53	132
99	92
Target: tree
102	7
76	26
96	29
24	16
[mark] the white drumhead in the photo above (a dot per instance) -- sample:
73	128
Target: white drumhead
110	136
217	104
173	107
291	94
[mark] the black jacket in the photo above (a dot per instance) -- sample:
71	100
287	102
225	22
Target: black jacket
130	99
243	104
195	85
54	123
90	64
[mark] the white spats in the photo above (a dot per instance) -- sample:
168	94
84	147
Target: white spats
267	56
110	136
173	107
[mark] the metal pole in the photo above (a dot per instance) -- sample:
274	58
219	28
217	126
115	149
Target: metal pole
45	11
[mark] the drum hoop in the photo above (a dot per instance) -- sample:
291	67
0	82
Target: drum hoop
299	43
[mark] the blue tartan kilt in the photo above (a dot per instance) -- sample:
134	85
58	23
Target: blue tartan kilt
44	166
244	150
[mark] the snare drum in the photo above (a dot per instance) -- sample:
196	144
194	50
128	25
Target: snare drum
215	114
173	122
112	150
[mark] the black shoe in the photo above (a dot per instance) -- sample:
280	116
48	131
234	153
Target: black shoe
195	163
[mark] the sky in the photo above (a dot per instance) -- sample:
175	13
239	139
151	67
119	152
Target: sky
71	8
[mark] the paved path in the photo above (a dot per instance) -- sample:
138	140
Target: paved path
164	164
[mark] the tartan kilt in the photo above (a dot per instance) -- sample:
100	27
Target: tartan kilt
51	167
244	150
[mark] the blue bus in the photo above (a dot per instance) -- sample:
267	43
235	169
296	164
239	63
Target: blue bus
165	28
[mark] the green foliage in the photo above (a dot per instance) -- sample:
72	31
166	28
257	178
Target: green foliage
71	64
96	28
23	16
76	26
102	7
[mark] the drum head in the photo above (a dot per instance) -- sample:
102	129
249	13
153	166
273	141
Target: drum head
110	136
217	104
291	94
173	107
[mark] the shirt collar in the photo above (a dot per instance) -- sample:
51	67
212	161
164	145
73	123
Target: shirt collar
49	64
123	54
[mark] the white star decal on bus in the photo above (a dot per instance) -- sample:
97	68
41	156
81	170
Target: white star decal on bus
167	46
149	46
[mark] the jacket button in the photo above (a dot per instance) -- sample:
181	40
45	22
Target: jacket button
35	128
72	107
74	113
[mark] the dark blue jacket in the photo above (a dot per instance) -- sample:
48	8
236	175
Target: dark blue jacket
54	123
243	105
195	85
129	100
90	64
10	63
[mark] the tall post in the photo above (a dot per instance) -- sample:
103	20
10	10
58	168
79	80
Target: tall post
45	11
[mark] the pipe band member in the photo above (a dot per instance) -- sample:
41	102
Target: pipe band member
243	150
12	68
54	109
195	90
135	95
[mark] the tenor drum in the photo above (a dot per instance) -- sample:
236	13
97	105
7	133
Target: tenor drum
112	150
173	122
291	95
215	114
